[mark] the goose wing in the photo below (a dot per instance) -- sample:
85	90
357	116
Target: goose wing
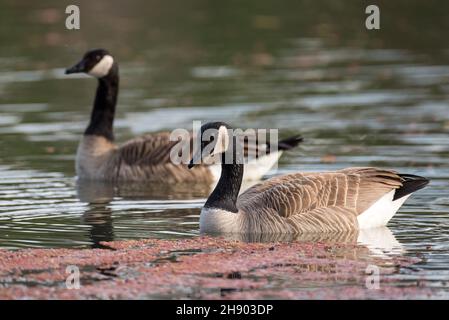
323	197
253	147
147	158
155	149
151	149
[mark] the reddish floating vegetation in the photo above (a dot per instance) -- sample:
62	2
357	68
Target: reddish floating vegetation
202	268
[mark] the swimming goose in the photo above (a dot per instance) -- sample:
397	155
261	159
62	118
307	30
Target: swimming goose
343	200
145	158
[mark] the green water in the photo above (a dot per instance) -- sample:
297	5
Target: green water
360	98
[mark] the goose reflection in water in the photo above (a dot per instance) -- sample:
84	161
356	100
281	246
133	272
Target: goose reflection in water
380	241
98	215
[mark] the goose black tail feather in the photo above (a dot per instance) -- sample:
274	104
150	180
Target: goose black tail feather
410	184
289	143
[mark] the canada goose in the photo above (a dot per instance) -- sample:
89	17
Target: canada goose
353	198
146	158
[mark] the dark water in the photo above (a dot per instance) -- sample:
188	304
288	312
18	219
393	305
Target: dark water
360	98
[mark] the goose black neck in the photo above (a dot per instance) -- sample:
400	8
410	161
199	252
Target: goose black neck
102	117
227	190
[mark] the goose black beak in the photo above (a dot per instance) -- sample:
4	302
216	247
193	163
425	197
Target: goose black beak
77	68
196	159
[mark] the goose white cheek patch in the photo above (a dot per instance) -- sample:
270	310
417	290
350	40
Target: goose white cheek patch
102	67
222	140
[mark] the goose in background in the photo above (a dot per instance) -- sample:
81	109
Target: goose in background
343	200
146	158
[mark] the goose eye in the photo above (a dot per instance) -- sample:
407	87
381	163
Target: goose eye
97	58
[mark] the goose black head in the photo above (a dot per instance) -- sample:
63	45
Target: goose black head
214	140
97	63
